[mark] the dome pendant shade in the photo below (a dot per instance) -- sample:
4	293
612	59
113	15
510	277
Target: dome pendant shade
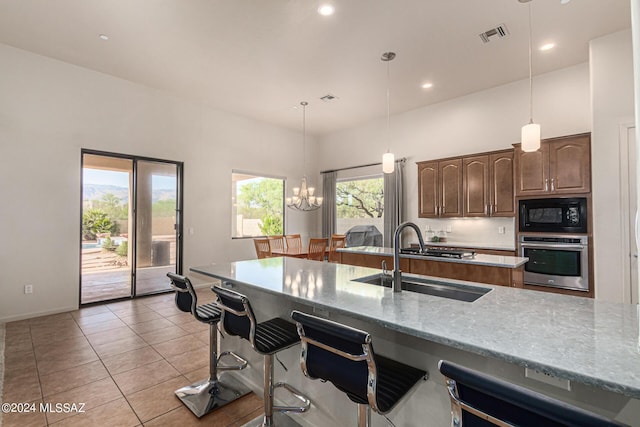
388	162
530	137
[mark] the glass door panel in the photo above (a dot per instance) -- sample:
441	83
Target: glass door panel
156	225
105	256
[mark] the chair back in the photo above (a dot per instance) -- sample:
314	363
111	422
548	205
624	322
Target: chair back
237	315
317	248
337	241
294	241
479	400
263	249
339	354
186	298
276	243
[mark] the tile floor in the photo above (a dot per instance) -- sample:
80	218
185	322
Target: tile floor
123	360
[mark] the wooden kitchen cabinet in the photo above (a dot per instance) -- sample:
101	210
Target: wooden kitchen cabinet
440	188
371	261
561	166
488	184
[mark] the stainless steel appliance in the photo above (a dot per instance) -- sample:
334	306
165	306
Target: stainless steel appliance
553	215
558	261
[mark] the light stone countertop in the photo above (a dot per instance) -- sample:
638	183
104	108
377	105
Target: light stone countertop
596	343
479	259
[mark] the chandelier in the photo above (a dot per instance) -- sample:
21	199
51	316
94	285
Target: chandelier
303	198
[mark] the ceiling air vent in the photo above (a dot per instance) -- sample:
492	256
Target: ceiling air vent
328	97
499	31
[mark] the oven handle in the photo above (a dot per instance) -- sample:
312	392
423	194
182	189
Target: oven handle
553	246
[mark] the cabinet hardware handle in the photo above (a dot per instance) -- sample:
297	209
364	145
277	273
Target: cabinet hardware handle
553	184
546	184
486	209
443	210
491	209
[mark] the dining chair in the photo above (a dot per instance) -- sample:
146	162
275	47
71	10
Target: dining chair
263	249
317	248
276	243
294	241
336	241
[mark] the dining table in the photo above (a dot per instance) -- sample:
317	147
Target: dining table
291	252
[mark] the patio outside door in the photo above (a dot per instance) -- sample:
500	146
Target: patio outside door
130	226
156	212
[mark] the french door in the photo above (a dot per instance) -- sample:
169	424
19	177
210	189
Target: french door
131	225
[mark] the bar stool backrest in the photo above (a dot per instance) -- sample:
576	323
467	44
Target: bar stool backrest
479	400
186	298
339	354
237	315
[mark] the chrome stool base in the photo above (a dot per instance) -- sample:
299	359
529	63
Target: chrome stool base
206	395
278	419
241	363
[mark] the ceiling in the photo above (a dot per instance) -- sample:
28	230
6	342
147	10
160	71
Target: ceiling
260	58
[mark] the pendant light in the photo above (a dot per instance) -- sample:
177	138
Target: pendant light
388	159
303	198
530	137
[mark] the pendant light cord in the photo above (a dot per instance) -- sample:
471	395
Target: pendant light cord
388	108
304	135
530	71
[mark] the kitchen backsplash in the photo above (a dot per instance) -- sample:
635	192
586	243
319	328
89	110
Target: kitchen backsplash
493	232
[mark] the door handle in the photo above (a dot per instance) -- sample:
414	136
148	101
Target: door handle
546	184
553	184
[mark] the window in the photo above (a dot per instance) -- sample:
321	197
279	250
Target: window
257	205
359	201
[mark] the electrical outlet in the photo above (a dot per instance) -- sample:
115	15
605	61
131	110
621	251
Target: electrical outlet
448	229
500	230
547	379
28	289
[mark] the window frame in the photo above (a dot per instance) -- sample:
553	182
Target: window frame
234	196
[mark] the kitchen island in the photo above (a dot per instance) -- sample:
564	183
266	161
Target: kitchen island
494	269
595	345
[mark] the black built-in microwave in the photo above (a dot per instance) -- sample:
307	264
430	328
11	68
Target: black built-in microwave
555	215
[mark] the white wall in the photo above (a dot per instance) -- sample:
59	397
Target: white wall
611	62
49	110
483	121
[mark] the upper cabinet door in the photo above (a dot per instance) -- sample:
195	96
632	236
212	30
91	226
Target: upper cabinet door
428	190
450	187
502	198
570	165
532	171
475	176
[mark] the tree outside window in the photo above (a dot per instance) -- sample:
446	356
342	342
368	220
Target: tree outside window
257	205
360	202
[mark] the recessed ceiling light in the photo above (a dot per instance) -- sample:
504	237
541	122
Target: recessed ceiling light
326	9
427	85
564	1
547	46
104	36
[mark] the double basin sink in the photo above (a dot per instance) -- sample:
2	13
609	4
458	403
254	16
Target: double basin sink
426	286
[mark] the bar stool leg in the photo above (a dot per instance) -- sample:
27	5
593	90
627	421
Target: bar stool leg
212	393
364	415
268	391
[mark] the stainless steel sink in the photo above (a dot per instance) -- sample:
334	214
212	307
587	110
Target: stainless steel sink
454	291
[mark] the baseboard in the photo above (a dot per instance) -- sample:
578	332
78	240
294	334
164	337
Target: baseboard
37	314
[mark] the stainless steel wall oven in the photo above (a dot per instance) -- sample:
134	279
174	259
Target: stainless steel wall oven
559	261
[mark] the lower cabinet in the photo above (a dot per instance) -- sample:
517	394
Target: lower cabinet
501	276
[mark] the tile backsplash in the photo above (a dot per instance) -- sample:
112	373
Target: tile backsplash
482	231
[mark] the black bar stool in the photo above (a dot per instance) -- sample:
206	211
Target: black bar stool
266	338
479	400
345	357
211	393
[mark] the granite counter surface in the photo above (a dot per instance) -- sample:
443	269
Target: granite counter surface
478	259
593	342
